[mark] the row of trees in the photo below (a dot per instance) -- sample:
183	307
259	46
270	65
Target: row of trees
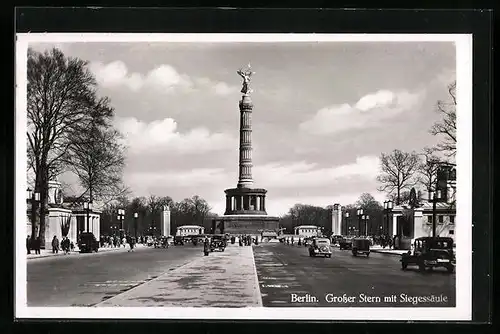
189	211
401	171
302	214
70	129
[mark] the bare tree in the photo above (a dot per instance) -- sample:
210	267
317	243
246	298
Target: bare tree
96	156
428	170
398	172
60	94
447	127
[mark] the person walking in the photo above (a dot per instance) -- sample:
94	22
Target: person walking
37	244
55	245
206	246
65	245
28	244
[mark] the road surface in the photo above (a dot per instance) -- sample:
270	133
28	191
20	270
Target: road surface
289	277
87	279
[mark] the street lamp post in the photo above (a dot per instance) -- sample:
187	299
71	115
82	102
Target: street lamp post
88	207
33	197
136	215
346	218
387	210
121	216
366	218
360	216
434	196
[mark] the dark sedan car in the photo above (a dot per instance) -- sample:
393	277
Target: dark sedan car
87	243
430	252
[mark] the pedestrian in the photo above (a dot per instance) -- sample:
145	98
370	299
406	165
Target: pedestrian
206	246
37	244
65	245
55	245
72	246
28	244
130	243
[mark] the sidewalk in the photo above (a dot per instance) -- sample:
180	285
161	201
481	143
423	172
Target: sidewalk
380	249
221	279
44	253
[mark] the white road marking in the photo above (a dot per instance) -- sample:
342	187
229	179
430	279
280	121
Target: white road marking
275	286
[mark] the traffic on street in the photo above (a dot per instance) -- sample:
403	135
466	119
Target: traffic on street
290	277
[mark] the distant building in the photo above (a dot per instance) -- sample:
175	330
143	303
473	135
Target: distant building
63	218
421	224
190	230
307	231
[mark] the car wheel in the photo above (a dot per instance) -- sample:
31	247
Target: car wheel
329	255
450	268
367	254
404	265
354	253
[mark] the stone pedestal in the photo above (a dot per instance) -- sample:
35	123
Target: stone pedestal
245	224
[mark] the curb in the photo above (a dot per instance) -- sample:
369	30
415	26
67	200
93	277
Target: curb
74	253
258	293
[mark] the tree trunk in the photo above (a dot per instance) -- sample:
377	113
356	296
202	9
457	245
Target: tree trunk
42	188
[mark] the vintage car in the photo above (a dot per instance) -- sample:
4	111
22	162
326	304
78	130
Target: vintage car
336	239
320	247
87	242
161	242
307	242
360	246
178	240
218	242
430	252
345	243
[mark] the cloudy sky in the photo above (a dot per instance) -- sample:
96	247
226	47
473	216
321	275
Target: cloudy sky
323	113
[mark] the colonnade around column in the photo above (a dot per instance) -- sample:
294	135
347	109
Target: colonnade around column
246	203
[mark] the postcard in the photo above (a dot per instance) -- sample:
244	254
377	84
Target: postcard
244	176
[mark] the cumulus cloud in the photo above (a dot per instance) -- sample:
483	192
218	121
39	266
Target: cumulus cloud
371	110
164	77
303	174
163	135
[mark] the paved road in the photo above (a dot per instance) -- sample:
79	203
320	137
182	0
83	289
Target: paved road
85	280
286	272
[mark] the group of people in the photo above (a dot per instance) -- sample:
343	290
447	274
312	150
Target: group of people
109	241
247	240
115	241
65	245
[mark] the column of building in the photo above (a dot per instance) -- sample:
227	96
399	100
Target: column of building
245	163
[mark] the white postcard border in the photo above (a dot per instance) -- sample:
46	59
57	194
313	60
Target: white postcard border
463	231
